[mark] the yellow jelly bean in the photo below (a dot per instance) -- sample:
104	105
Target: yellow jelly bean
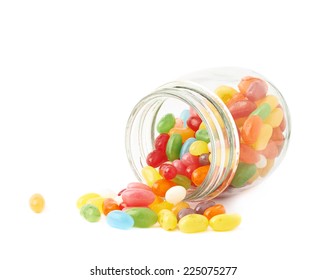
157	200
167	219
84	198
202	126
269	99
179	206
225	93
225	222
36	202
150	175
275	118
160	206
193	223
264	171
263	137
198	147
97	202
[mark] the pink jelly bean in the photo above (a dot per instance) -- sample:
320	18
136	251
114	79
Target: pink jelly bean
181	168
188	159
253	88
242	108
137	185
137	197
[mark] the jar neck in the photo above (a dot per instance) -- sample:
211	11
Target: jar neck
140	133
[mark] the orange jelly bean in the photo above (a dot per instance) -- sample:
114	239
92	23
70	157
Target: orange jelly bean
185	132
212	211
198	175
248	154
109	205
160	187
251	128
179	206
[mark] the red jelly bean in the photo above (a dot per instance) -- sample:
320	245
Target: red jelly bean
160	187
190	169
168	171
194	123
188	159
156	158
242	108
137	197
248	154
253	88
181	168
161	141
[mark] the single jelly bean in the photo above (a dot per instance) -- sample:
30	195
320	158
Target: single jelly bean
262	111
181	168
119	219
198	147
173	147
160	187
269	99
84	198
109	205
178	122
253	88
262	162
225	222
242	108
198	175
202	206
237	97
271	151
137	185
248	154
97	202
156	158
243	174
137	197
190	169
168	171
90	213
186	145
143	217
166	123
269	165
184	212
175	194
194	123
212	211
204	159
182	181
193	223
167	219
151	175
251	128
275	118
185	114
202	134
179	206
160	206
189	159
161	141
264	136
225	93
185	133
36	203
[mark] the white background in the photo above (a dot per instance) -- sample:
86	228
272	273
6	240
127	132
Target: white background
70	73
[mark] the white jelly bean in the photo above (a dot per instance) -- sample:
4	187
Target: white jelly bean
262	162
175	194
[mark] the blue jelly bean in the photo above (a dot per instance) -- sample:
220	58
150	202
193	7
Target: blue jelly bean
186	145
185	114
119	219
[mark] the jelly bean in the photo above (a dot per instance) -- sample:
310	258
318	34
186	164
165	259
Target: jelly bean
202	206
119	219
189	159
137	197
198	175
168	171
248	154
166	123
184	212
242	108
264	171
160	187
90	213
185	114
190	169
84	198
251	128
263	137
157	200
37	202
239	123
283	124
143	217
225	93
193	112
151	175
253	88
161	141
235	98
262	162
202	126
167	219
203	159
277	136
160	206
263	111
182	181
178	122
198	147
173	147
181	168
243	174
179	206
175	194
137	185
202	134
275	118
123	205
271	151
156	158
194	123
193	223
225	222
212	211
185	133
186	145
97	202
109	205
271	100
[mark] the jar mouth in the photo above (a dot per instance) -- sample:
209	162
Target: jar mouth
141	133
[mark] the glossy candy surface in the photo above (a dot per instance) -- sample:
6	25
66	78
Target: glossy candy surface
109	205
186	145
173	147
243	174
198	147
168	171
193	223
90	213
143	217
167	219
37	202
137	197
214	210
151	175
156	158
225	222
160	187
119	219
202	206
166	123
175	194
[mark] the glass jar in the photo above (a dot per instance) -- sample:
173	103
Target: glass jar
245	116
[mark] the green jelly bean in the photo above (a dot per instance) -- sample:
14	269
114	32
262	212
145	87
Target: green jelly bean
90	213
202	134
166	123
183	181
243	174
173	147
262	111
143	217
